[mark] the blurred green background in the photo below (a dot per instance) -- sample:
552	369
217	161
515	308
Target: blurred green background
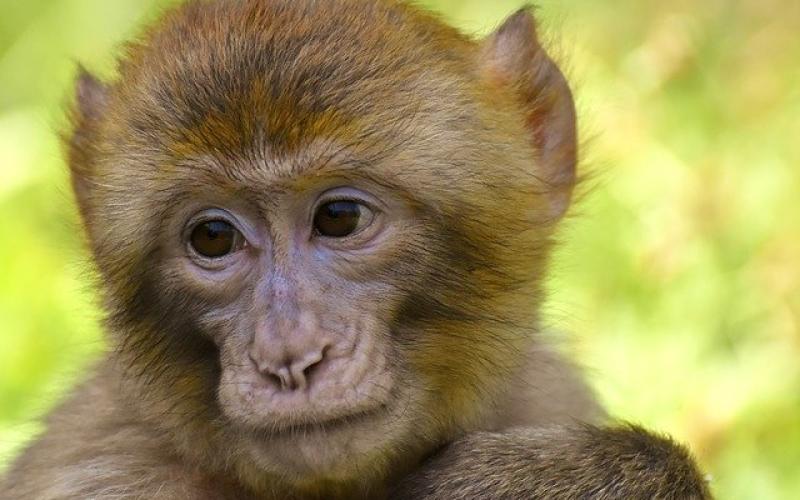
680	272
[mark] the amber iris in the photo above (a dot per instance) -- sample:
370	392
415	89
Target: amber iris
214	239
337	219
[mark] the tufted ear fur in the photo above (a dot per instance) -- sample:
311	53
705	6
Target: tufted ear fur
513	59
90	102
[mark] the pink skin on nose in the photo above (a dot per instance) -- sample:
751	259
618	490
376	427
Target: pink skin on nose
285	350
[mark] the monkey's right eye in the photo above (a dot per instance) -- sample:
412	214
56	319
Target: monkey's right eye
215	239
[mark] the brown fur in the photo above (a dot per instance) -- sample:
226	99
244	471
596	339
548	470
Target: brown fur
252	101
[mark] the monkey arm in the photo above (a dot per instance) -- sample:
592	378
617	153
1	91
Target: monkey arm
580	461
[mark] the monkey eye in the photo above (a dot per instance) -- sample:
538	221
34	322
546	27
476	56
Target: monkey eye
215	239
341	218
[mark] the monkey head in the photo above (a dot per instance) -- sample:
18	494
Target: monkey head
320	230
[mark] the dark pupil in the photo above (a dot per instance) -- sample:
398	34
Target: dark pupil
213	238
337	219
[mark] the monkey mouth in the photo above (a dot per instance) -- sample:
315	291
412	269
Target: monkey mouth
306	427
271	415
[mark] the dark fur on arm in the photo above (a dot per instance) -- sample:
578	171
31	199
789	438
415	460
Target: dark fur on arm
559	462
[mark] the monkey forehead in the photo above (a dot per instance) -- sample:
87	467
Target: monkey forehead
227	76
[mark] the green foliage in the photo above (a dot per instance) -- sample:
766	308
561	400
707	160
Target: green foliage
679	276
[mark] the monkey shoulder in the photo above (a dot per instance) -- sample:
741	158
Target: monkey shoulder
93	447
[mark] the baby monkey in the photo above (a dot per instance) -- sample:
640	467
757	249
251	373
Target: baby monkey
321	230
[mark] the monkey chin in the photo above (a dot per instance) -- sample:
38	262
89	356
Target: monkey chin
337	451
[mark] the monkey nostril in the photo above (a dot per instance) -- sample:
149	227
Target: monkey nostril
274	378
302	369
278	376
314	367
285	378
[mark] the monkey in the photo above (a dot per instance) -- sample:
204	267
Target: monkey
321	231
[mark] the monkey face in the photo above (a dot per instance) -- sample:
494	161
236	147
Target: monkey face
315	245
299	298
312	348
315	300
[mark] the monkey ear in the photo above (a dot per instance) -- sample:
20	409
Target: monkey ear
91	95
513	59
90	102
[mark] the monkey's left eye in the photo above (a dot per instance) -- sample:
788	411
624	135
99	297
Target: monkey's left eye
341	218
215	239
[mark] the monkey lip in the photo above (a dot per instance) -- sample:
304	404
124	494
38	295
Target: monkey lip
304	427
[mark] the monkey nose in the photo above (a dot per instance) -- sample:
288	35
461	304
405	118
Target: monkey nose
290	374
